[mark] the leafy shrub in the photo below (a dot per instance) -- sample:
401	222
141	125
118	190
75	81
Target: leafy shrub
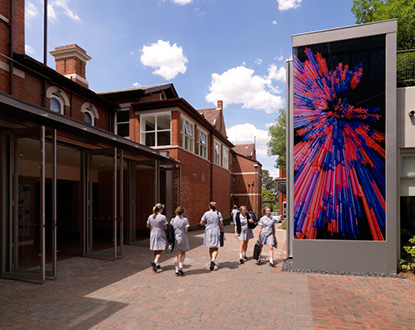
407	261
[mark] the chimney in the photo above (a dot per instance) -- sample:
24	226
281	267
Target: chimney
220	105
71	61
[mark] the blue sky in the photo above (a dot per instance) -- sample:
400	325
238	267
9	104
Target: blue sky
233	50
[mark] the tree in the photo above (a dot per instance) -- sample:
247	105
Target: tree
267	180
276	144
367	11
269	200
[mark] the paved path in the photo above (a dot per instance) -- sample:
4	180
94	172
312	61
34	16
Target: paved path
127	294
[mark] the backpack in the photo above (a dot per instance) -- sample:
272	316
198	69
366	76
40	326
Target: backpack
170	236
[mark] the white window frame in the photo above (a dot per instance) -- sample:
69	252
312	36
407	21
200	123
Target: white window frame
202	149
185	134
122	122
143	131
225	160
88	111
217	157
60	101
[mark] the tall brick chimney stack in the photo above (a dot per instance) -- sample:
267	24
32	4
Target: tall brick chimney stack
71	61
220	105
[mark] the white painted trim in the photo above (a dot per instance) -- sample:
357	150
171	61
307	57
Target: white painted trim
244	173
251	194
17	72
59	92
70	52
77	77
4	18
89	106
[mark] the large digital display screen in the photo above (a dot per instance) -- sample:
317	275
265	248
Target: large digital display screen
339	140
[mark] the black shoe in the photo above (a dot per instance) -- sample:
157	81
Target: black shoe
153	264
245	257
241	261
258	262
181	272
272	264
158	267
212	265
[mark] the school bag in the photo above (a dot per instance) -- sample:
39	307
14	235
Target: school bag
257	250
170	236
252	225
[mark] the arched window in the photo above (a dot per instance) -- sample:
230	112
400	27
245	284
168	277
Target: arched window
89	117
56	104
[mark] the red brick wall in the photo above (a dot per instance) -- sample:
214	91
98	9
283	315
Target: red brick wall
221	189
144	197
29	89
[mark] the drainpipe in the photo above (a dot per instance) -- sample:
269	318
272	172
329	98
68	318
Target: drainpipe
11	30
45	45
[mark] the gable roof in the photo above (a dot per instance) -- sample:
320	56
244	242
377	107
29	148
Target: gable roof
144	90
246	150
215	117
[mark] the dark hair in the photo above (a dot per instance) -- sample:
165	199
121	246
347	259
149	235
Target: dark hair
212	205
235	206
266	207
179	210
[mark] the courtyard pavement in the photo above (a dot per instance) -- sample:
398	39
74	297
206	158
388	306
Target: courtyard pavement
127	294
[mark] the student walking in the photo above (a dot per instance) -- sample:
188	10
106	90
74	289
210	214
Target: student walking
234	212
243	232
157	222
213	221
266	235
181	226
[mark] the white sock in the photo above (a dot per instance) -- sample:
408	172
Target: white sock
180	264
177	269
271	261
213	260
156	261
241	255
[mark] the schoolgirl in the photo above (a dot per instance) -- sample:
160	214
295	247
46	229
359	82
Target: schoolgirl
157	222
266	235
213	221
242	232
181	226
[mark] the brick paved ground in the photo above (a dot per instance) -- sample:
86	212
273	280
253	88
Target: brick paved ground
126	294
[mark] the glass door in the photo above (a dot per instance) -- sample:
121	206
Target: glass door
101	222
24	174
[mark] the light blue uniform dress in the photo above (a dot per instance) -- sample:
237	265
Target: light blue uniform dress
179	224
266	237
157	233
212	231
246	233
234	213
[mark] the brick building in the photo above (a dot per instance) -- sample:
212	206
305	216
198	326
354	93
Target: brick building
80	171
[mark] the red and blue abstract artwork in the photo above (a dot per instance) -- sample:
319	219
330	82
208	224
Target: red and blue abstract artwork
339	153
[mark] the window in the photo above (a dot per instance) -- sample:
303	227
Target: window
201	144
217	153
155	130
225	158
89	117
187	134
56	104
123	123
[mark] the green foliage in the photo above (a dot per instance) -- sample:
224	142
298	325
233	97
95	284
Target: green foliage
367	11
284	225
276	144
269	200
408	255
267	180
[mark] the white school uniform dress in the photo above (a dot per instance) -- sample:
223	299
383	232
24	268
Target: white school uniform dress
157	234
234	213
180	224
266	237
246	233
212	231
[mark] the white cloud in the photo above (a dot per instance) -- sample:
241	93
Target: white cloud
258	61
245	133
52	13
136	84
31	11
241	86
274	22
64	5
132	53
182	2
169	60
29	49
276	73
288	4
268	125
279	58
